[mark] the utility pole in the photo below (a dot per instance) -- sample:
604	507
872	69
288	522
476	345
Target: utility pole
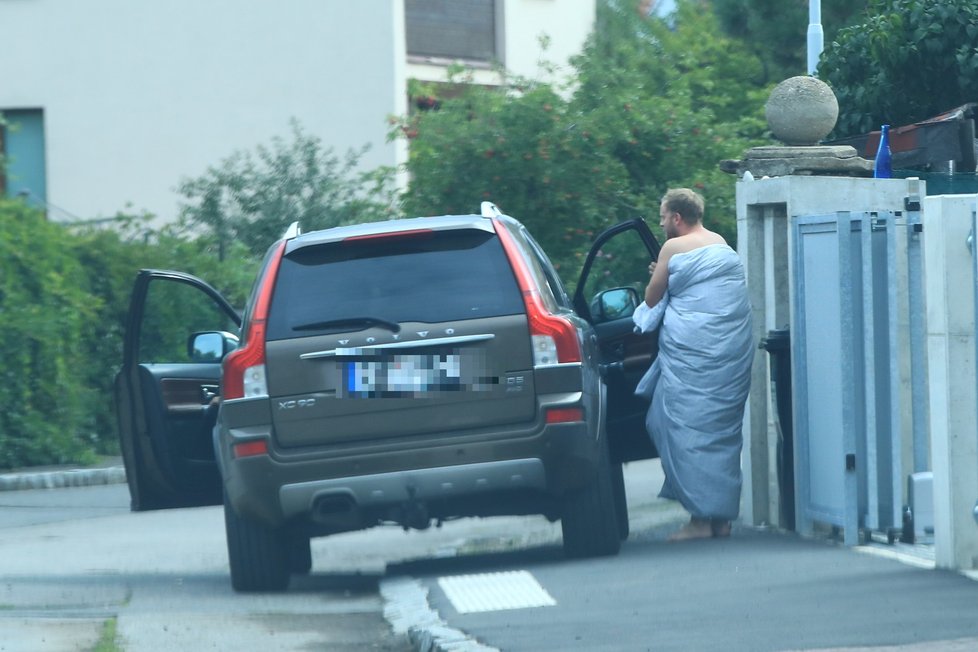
816	39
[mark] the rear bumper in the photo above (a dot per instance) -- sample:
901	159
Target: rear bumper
458	476
437	484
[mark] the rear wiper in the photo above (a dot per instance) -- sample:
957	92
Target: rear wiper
349	323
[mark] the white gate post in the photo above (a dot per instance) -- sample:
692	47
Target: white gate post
950	280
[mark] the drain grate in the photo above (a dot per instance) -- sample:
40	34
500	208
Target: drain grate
495	592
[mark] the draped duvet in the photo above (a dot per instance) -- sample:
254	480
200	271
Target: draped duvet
700	380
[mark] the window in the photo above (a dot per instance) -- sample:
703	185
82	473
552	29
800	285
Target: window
452	29
173	312
22	143
450	275
623	261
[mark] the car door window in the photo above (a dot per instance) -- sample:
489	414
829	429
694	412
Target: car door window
622	261
173	312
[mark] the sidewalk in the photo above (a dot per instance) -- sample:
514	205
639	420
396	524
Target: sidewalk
762	589
758	591
108	471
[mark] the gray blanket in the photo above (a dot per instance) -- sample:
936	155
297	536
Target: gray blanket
700	380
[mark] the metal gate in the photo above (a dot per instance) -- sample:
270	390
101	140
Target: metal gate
859	377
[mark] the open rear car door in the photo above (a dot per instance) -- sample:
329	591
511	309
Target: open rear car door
166	391
612	283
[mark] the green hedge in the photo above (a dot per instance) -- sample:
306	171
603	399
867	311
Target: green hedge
64	295
44	313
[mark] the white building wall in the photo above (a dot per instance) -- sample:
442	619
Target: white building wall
138	95
566	24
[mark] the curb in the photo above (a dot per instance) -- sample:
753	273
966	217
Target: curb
406	609
62	478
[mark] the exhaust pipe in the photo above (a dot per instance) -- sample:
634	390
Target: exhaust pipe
335	510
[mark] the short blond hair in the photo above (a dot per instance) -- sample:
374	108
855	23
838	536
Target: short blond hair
688	203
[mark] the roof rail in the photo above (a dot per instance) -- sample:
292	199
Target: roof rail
490	210
292	231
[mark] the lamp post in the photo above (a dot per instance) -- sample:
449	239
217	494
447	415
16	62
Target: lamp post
816	39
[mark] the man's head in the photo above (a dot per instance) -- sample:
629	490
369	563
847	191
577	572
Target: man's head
680	209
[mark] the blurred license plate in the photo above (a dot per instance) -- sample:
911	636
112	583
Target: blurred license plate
403	375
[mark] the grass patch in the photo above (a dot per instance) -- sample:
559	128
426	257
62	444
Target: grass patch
108	642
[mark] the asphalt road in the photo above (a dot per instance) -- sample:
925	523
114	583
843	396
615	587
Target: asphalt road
73	559
39	506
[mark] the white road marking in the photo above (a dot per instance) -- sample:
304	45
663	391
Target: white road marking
406	609
902	557
495	592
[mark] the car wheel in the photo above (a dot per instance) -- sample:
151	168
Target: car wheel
300	554
589	521
258	555
621	499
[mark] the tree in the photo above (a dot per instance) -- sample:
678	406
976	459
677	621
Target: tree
777	30
653	105
253	197
43	314
3	160
908	61
64	295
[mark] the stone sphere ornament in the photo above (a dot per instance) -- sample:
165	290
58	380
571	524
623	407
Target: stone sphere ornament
801	111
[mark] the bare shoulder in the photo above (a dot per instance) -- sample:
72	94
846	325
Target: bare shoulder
712	238
691	241
685	243
671	246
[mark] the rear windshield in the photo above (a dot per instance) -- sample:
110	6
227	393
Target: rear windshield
438	276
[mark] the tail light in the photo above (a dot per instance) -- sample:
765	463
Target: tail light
554	338
244	368
251	448
565	415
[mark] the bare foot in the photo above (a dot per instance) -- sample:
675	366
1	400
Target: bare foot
695	529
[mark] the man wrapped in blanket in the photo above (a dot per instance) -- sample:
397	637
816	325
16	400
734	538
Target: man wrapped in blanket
697	298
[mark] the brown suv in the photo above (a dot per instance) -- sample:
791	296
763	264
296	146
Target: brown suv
391	373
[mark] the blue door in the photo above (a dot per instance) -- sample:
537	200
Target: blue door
23	148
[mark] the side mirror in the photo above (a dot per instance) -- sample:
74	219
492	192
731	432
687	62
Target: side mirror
615	303
211	346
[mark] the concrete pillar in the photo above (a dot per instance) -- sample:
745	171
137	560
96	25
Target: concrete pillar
950	290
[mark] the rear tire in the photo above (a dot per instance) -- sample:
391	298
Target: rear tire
589	522
621	499
257	555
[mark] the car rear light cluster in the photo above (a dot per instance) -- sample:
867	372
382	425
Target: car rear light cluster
544	350
254	381
554	338
244	368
